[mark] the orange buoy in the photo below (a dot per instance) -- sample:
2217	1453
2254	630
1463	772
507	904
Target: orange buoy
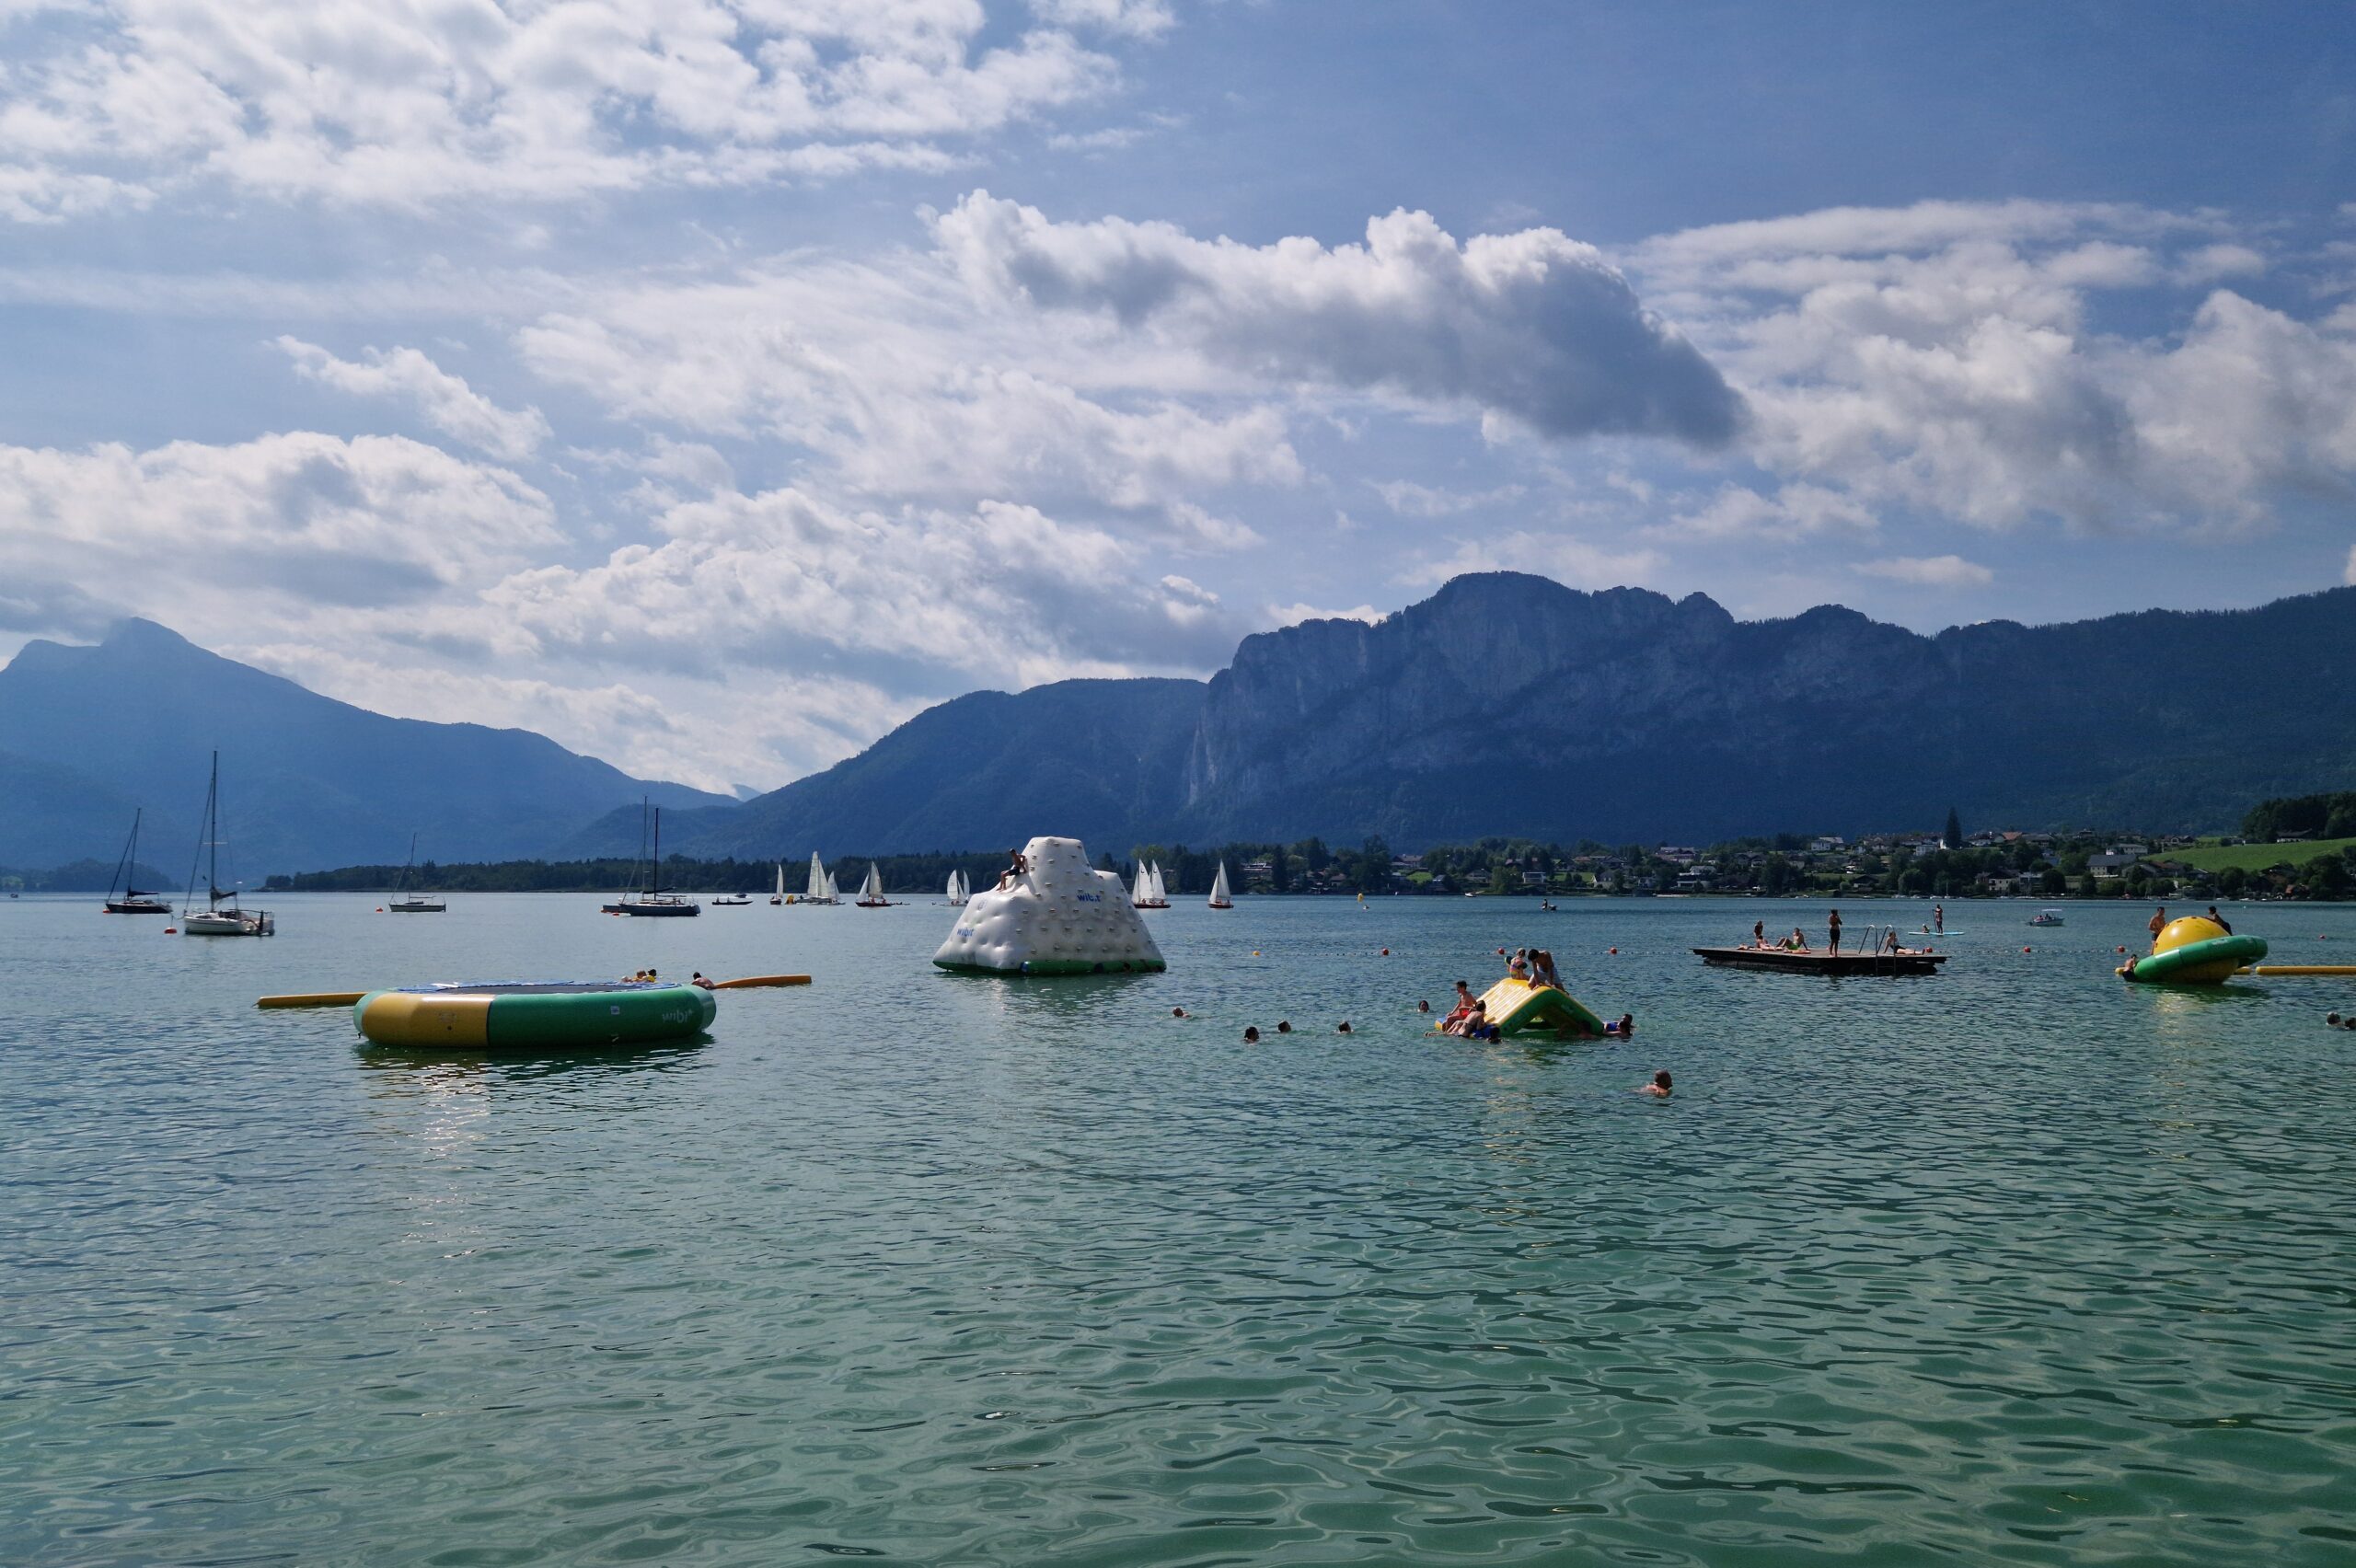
171	931
1386	952
1615	951
2025	949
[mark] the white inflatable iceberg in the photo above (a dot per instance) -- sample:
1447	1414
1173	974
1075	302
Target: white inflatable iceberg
1061	916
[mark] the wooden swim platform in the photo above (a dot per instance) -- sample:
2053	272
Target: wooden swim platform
1912	961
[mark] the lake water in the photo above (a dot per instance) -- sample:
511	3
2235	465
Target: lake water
2014	1265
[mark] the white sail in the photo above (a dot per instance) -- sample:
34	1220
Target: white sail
1160	889
1220	899
780	879
956	887
871	890
821	886
1141	891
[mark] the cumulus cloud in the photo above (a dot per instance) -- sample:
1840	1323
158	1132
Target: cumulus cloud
409	106
1929	571
441	399
1275	616
308	518
1409	499
1534	327
1578	562
1939	358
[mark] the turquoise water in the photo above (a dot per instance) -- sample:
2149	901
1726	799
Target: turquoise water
2015	1265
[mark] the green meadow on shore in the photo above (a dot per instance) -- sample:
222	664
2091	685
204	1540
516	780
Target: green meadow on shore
2257	857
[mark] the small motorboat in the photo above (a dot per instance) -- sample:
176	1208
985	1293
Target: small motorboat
725	902
2046	917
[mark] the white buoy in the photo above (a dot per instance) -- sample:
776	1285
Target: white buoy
1061	916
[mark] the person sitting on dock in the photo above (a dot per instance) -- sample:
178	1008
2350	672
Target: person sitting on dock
1891	945
1759	934
1794	942
1659	1087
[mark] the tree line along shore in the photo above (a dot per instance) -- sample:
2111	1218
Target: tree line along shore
2294	847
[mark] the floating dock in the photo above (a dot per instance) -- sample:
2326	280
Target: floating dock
1912	961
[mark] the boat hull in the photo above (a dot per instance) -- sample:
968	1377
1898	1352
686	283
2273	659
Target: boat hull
136	906
1860	964
655	911
258	924
525	1016
418	906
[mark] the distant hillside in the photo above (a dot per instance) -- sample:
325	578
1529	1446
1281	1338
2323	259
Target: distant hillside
1509	703
90	732
1503	704
1090	758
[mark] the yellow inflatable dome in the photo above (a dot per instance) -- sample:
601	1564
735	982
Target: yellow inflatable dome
2194	950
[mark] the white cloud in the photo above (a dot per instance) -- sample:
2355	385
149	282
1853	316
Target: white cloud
301	519
1293	615
405	105
1735	512
1562	556
1929	571
441	399
1530	327
1409	499
1938	358
2349	576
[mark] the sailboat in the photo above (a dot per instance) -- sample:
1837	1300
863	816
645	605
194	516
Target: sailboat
1146	891
651	899
959	892
1219	898
133	901
414	902
778	896
213	920
821	886
871	892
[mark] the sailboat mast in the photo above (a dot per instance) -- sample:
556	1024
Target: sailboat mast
213	836
654	870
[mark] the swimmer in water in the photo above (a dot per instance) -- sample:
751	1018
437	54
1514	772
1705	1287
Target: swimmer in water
1283	1026
1342	1028
1623	1027
1179	1012
1424	1007
1250	1034
1658	1089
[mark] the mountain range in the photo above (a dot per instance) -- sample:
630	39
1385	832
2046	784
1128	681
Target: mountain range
1509	703
87	733
1503	704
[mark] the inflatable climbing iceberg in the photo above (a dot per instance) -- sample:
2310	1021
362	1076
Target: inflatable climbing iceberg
1060	916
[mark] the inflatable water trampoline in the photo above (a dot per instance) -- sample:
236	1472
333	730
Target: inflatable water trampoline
534	1015
1517	1007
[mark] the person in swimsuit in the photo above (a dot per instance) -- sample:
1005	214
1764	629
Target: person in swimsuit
1834	925
1659	1087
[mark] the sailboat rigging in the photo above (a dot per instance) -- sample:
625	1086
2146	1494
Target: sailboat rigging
214	919
404	902
1146	891
871	892
959	892
821	886
133	901
649	898
1219	897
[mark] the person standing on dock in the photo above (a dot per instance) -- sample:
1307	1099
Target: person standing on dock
1834	926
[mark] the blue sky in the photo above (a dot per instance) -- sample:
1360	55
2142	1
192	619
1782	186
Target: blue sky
711	383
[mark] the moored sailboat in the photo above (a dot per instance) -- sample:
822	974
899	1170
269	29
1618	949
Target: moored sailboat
221	916
871	892
133	901
406	903
821	886
651	899
1220	899
778	896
